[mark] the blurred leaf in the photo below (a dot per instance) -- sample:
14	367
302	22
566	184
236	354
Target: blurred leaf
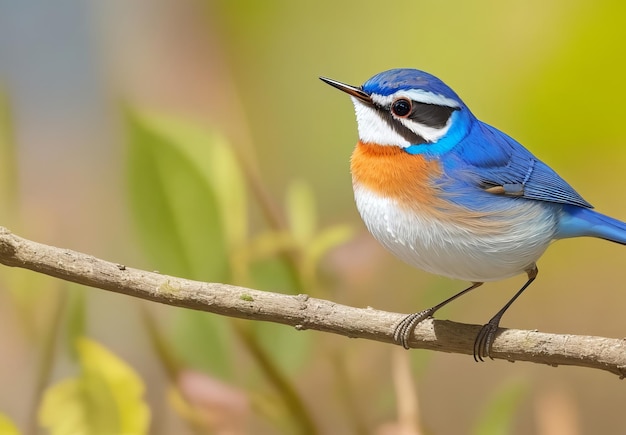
301	212
273	274
216	163
204	341
497	418
210	403
190	201
229	185
176	209
294	406
288	348
76	312
328	239
30	291
323	242
269	244
106	398
7	427
185	410
267	269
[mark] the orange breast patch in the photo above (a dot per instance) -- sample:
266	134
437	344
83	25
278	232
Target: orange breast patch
393	173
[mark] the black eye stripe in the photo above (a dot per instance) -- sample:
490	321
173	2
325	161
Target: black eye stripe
431	115
406	133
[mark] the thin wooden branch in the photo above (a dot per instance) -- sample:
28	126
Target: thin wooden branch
304	312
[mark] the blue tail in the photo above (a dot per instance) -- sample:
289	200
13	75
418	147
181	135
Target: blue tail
578	221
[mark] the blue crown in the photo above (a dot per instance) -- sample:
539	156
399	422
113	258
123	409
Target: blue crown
388	82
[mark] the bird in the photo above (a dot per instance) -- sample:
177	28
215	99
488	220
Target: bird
454	196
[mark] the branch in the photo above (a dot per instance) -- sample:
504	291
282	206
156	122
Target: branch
303	312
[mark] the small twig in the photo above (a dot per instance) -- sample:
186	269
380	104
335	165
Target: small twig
303	312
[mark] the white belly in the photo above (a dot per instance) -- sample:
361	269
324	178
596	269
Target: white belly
455	250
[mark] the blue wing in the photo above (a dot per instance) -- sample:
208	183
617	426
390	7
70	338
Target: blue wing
500	165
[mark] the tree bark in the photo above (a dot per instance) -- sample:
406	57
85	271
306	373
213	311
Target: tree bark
303	312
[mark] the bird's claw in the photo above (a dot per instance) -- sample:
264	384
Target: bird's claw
404	330
484	341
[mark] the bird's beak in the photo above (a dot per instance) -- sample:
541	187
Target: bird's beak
353	91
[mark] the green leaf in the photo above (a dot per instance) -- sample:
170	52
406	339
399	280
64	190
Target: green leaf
228	182
190	202
288	348
106	398
323	242
269	270
175	207
497	418
217	165
27	291
7	427
273	274
202	340
76	313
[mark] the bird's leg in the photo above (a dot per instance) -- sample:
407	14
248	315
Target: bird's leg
404	330
486	335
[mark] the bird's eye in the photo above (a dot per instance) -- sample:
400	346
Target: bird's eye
401	107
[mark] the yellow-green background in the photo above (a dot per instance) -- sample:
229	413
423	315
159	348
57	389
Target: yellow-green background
551	74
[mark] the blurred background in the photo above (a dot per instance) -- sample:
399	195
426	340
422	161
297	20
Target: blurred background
116	119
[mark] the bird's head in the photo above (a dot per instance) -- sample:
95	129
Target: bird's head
410	109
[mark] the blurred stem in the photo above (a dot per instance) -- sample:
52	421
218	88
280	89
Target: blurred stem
170	364
345	390
270	209
290	396
406	392
46	361
292	258
273	215
161	347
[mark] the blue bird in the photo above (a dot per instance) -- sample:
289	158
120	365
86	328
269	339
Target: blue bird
454	196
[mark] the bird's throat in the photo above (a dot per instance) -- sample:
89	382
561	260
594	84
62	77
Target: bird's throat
391	172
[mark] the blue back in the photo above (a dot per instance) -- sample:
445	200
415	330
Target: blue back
498	160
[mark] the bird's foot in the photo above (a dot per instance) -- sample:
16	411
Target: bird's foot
404	330
484	340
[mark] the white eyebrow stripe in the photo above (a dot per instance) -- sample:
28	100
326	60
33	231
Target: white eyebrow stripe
418	95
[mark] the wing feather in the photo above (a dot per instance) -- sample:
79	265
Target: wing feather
502	166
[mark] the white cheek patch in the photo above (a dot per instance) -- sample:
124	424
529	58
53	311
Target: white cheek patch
373	129
430	134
